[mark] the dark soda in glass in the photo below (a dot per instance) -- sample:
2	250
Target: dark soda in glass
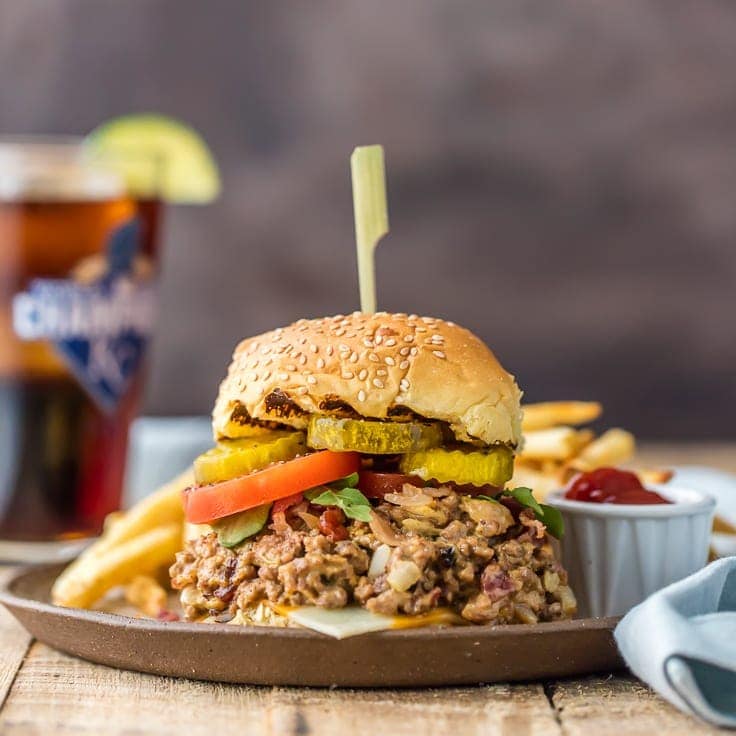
77	277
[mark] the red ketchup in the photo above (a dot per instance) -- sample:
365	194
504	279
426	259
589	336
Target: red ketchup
608	485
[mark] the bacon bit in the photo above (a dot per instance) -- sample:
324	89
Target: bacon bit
226	593
332	524
164	615
286	503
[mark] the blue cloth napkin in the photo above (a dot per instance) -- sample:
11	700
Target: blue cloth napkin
682	642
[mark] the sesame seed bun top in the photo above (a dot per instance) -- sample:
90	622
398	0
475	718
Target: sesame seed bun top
377	366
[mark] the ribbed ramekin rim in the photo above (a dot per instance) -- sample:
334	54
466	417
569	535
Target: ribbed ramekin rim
704	505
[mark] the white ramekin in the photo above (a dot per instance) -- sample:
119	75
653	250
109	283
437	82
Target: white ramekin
617	555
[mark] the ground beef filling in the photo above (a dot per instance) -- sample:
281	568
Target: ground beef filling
491	563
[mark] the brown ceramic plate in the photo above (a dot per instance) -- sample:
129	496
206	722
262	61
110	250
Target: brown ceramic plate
263	656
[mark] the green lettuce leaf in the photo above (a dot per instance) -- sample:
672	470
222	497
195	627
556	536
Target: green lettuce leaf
352	502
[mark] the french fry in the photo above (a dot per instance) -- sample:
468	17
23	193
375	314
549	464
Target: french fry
540	482
163	506
91	576
130	534
555	413
612	448
556	443
146	595
654	476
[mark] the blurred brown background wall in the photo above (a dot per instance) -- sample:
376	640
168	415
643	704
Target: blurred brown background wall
562	177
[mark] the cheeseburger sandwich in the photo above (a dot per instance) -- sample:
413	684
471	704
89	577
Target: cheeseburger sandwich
361	462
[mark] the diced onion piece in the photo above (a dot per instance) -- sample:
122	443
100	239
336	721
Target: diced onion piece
567	599
551	581
310	520
408	499
383	530
403	574
420	526
379	561
524	614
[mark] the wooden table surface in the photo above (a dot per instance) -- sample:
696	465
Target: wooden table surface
45	692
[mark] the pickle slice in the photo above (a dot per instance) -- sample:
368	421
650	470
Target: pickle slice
373	438
492	467
233	458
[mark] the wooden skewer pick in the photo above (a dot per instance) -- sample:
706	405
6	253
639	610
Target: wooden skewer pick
371	216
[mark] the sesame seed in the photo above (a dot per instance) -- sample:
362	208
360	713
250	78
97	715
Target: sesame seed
343	348
339	332
413	351
419	328
368	343
428	320
311	380
390	342
404	351
330	350
302	390
363	374
290	367
404	384
378	383
438	353
302	341
314	348
265	350
381	372
267	361
253	363
303	359
379	339
320	362
404	365
348	375
408	338
353	357
266	375
373	357
302	327
283	376
361	395
389	360
413	317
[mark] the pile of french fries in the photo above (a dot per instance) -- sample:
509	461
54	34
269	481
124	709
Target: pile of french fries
135	549
555	448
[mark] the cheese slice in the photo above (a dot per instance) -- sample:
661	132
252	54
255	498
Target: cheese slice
341	623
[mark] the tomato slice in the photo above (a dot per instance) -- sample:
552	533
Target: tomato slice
205	503
377	485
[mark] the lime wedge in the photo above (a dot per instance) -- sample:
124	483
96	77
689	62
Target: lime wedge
158	156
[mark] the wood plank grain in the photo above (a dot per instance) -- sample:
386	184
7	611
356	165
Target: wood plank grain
56	694
14	643
619	706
